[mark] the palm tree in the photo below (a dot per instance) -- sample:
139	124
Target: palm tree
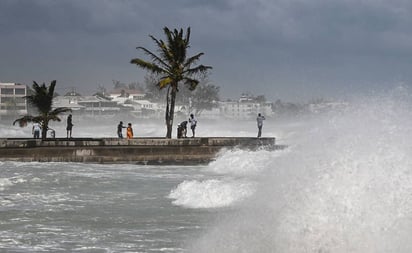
42	99
172	66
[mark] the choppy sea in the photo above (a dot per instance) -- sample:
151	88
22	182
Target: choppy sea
344	184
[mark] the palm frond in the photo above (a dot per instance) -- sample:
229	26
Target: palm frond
60	110
164	50
201	69
154	68
154	57
26	119
54	117
191	83
187	39
193	59
165	81
42	97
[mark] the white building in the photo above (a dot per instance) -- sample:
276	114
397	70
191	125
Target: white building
145	108
12	101
94	105
124	94
245	108
88	105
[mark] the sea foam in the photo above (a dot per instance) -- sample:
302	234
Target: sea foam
344	186
210	193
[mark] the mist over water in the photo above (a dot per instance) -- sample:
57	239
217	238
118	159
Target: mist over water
344	184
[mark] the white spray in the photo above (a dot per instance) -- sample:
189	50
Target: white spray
345	186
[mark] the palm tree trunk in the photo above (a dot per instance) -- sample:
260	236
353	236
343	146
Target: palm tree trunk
170	115
167	114
44	127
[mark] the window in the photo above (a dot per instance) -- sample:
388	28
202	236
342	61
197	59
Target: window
7	91
9	100
20	91
20	100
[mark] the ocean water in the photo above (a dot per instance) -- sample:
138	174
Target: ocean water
344	184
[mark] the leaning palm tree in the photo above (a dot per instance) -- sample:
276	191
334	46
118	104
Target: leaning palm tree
172	66
42	99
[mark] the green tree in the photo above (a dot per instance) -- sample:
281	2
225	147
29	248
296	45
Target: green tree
205	97
42	100
173	66
152	92
119	85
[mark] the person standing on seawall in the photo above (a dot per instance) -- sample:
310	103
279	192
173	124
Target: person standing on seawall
120	129
36	130
69	126
193	123
260	118
129	131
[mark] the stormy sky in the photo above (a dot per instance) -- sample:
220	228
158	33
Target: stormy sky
293	50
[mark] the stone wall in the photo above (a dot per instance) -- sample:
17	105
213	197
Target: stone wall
137	150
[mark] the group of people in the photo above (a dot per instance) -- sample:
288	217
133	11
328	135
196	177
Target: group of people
182	127
36	129
129	130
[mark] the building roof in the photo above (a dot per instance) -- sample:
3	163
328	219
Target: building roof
12	84
64	102
128	91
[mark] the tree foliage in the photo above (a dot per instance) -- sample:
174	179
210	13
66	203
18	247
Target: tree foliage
42	100
205	97
172	65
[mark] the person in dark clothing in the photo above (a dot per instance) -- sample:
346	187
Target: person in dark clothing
182	130
120	129
260	118
69	126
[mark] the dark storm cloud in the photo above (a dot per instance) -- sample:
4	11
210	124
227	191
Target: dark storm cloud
282	48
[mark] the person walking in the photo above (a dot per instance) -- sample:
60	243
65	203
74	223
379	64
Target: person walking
36	130
129	131
193	123
69	126
120	129
260	118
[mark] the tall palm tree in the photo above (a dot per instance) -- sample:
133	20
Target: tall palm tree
173	67
42	99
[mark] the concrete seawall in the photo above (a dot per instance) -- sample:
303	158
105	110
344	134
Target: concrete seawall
136	151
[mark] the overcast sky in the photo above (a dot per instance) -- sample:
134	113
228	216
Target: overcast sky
293	50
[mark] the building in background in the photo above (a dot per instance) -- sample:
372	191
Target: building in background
12	101
246	107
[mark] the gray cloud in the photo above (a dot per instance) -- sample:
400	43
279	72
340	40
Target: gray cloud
290	49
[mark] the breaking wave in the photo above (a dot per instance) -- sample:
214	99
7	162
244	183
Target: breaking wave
344	186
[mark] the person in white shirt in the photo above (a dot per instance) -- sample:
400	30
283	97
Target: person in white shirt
36	130
193	123
260	118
